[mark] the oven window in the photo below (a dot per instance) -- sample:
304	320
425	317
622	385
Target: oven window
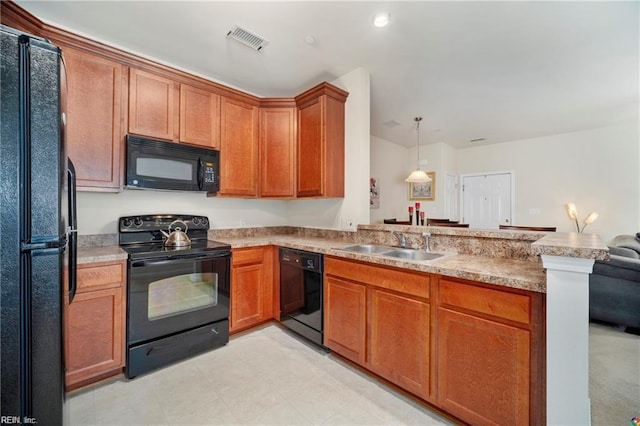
182	293
163	168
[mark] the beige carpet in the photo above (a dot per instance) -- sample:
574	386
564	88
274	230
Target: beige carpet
614	375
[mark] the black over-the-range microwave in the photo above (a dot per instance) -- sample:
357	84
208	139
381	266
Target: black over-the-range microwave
157	164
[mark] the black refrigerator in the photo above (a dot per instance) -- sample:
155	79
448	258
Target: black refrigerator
37	229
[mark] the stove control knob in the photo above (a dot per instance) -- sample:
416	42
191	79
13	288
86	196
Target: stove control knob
137	222
204	221
126	222
195	221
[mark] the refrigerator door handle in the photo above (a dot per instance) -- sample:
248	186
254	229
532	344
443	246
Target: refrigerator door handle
73	232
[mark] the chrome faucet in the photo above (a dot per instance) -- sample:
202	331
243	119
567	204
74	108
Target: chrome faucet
401	237
426	236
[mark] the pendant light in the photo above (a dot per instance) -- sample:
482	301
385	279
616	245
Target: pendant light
418	175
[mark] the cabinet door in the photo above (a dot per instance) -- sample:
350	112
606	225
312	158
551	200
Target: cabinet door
311	149
483	369
399	348
345	318
199	117
96	104
321	142
152	105
277	152
94	336
238	148
251	287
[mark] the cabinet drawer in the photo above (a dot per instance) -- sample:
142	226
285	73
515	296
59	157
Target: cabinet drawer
511	306
100	275
412	283
247	256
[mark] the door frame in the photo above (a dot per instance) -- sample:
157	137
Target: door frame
512	175
447	195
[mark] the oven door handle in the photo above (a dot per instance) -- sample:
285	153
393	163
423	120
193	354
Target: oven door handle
176	259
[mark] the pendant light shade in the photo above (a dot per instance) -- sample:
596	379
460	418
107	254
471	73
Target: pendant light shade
418	175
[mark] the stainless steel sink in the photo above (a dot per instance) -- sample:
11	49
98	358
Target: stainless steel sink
410	254
397	252
367	248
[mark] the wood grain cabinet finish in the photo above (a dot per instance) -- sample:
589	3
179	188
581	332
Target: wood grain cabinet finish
320	147
238	148
277	152
153	105
199	117
345	317
251	287
95	324
490	365
369	322
472	349
96	105
400	340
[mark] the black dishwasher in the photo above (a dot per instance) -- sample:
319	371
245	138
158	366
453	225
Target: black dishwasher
301	293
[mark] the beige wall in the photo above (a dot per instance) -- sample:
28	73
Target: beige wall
389	162
596	169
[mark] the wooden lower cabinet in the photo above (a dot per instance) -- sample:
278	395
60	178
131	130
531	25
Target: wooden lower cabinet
251	287
490	361
95	324
345	318
483	369
377	327
399	340
474	350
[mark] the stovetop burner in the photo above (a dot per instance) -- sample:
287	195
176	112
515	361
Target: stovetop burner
140	236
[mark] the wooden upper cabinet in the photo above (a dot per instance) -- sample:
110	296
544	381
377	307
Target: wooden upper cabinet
277	151
96	105
238	148
153	109
199	117
320	150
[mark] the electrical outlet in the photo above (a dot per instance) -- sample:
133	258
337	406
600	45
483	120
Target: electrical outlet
347	224
534	211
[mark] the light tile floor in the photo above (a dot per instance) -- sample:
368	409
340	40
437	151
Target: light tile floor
265	377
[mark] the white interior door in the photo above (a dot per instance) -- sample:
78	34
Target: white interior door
486	200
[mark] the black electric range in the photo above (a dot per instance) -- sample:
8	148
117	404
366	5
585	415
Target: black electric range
142	237
177	297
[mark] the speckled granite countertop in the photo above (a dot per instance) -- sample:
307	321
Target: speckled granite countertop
571	244
504	271
520	274
100	254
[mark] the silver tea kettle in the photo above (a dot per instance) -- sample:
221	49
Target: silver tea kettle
177	237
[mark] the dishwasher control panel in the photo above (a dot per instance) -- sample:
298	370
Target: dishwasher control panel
301	259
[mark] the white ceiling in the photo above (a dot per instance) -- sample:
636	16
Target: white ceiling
496	70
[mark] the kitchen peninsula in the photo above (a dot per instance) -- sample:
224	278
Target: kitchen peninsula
489	292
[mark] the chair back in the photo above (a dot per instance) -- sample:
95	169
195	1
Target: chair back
450	224
529	228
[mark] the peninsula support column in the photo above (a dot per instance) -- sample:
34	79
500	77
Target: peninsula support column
568	340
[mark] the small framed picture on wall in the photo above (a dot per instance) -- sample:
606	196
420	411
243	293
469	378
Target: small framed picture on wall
423	190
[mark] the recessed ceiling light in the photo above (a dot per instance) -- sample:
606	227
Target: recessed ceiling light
381	19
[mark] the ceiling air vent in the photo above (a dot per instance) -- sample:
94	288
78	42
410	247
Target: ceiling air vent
247	38
477	140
